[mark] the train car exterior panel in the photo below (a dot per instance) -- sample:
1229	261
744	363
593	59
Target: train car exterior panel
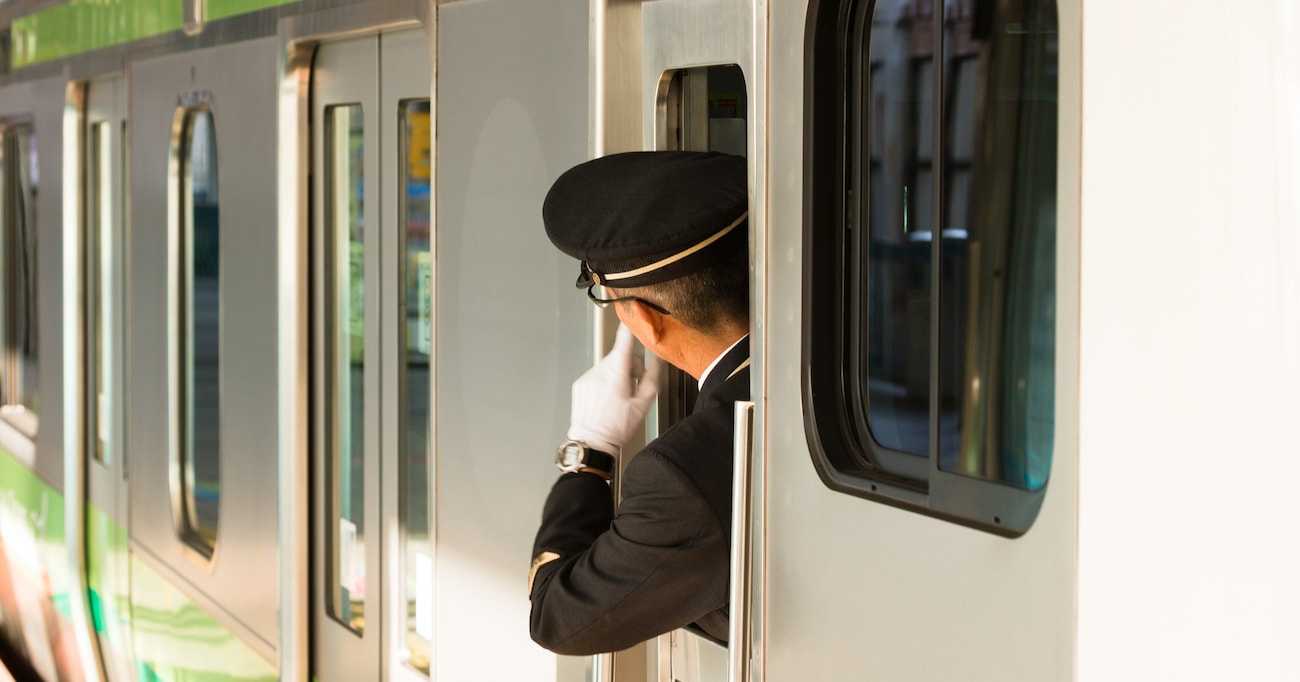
1160	549
98	395
237	83
1190	330
39	106
902	596
506	128
31	441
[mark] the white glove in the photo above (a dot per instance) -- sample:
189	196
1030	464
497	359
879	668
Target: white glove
608	402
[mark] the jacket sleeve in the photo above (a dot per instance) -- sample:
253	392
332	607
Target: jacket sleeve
661	564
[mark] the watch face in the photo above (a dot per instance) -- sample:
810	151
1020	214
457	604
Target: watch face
569	456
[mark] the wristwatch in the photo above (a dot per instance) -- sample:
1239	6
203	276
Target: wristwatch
574	455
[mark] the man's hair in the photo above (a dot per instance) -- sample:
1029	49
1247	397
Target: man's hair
707	300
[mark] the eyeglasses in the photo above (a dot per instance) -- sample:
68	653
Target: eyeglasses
604	302
589	279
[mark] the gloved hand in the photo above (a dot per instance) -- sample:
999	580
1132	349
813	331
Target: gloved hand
608	403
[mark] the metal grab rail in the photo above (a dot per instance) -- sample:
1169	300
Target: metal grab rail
742	542
602	669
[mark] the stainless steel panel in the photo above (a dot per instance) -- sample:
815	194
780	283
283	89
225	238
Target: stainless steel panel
405	74
681	34
238	82
105	477
615	68
41	104
742	547
293	300
857	589
106	104
345	74
76	459
512	332
695	659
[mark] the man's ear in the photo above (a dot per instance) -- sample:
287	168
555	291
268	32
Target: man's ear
646	323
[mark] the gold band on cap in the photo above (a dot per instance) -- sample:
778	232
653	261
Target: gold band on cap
605	279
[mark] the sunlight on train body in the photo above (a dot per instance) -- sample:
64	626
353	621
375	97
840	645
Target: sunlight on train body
1191	325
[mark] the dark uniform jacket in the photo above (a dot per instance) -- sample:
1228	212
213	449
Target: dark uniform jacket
662	563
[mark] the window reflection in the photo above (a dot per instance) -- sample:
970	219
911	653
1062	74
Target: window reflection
21	366
891	280
415	176
98	296
200	333
346	317
997	366
992	229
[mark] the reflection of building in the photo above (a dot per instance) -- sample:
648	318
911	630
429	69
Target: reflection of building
972	178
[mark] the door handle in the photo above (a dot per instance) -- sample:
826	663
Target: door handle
742	543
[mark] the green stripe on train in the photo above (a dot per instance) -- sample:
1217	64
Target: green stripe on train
172	638
85	25
220	9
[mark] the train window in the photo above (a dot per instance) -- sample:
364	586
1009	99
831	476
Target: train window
930	253
414	176
346	365
98	294
200	329
702	108
19	368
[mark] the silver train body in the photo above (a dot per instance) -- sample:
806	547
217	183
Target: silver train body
286	351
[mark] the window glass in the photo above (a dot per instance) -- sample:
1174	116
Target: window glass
21	364
705	110
200	336
889	257
98	247
346	369
414	175
997	349
931	253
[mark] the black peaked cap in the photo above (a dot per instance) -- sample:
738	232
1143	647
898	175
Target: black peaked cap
647	217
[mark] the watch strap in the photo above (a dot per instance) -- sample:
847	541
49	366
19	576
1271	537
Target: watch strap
596	459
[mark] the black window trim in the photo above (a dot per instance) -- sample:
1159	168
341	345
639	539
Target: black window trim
976	503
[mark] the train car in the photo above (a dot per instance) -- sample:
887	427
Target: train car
285	352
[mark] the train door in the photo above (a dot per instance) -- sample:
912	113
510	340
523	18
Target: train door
512	331
101	447
27	575
202	425
921	484
699	80
372	559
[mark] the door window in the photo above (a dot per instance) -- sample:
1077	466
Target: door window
346	338
20	188
931	254
199	337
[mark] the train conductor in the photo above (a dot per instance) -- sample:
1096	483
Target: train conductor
663	237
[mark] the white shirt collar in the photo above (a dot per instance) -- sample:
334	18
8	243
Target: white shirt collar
713	364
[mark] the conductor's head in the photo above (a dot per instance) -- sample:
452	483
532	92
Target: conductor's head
663	236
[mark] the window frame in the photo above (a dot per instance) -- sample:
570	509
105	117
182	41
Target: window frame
97	291
843	462
181	305
14	398
336	269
